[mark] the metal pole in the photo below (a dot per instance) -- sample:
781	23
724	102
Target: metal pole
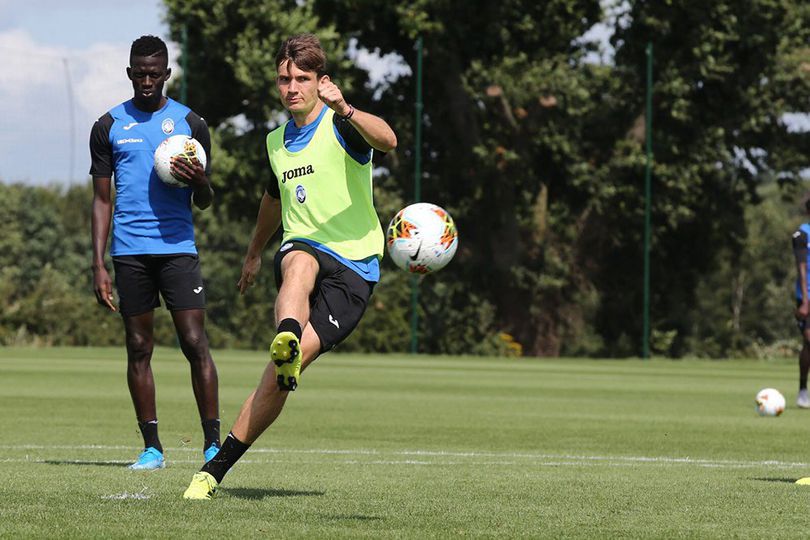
417	190
647	204
184	64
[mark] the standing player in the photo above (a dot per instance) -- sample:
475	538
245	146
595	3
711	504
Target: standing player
328	262
153	246
801	242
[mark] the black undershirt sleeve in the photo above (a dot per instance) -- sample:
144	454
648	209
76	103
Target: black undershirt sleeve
271	187
800	246
353	139
272	184
199	130
101	162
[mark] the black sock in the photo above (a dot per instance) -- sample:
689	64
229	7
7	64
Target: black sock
290	325
210	432
150	434
232	449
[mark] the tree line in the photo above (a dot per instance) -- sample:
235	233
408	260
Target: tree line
536	151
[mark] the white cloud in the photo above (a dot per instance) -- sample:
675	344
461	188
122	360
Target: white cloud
40	140
797	122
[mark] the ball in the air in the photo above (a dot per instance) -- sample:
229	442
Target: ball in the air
422	238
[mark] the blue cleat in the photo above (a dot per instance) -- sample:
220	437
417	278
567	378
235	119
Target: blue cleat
149	460
211	452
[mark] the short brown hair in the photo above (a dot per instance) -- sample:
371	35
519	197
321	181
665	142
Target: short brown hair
305	51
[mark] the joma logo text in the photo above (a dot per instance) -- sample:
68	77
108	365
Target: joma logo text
295	173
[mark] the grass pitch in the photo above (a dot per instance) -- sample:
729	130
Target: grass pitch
413	447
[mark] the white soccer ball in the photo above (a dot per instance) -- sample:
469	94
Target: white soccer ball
177	145
770	402
422	238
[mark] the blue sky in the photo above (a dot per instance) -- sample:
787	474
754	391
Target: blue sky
64	66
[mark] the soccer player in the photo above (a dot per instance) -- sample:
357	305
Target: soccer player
329	259
801	241
153	249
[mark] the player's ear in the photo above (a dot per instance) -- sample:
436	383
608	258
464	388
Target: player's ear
129	73
324	78
168	73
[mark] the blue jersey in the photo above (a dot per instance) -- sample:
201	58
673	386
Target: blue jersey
801	251
150	218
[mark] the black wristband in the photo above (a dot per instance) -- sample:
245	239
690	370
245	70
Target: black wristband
348	116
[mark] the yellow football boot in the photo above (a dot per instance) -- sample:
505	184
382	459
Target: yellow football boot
285	351
203	487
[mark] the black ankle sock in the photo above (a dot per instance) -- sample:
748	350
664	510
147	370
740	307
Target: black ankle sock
290	325
210	432
232	449
150	434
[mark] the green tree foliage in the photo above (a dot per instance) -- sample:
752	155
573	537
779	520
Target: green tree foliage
45	274
539	154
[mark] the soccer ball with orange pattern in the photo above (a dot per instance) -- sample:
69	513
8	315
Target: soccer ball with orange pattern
422	238
770	402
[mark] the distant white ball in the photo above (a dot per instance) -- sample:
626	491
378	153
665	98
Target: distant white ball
770	402
422	238
181	146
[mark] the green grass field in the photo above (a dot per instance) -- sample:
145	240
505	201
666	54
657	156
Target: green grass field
415	447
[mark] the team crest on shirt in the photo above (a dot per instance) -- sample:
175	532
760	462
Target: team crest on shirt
300	193
167	126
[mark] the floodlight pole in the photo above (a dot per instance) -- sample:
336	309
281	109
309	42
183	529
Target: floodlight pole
72	119
647	205
417	190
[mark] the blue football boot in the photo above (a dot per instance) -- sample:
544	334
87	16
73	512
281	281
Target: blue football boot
149	460
211	452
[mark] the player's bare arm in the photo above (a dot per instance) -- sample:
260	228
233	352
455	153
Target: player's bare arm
268	221
102	213
374	129
193	173
803	310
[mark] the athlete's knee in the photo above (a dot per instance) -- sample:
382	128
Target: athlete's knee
194	345
299	265
139	347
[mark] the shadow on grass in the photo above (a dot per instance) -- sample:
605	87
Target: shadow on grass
773	479
78	462
259	494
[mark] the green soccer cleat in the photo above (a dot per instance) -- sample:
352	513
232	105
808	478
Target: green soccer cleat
285	351
203	487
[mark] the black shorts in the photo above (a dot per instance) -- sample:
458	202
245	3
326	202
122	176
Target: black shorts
339	299
139	278
801	324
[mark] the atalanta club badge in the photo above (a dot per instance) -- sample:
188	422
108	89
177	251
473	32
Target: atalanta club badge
300	193
167	126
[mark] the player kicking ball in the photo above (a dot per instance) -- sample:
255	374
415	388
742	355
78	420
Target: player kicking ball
329	259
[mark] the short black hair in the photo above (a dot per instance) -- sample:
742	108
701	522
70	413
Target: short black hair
148	46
